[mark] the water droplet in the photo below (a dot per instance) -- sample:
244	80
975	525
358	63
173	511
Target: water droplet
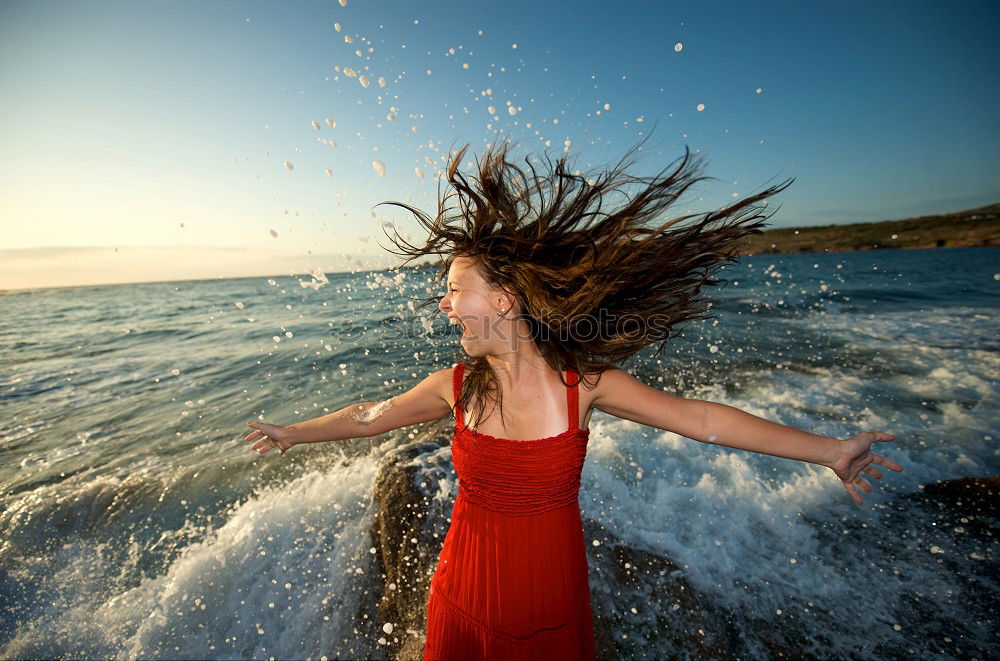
420	172
332	124
314	123
678	47
274	234
289	166
379	168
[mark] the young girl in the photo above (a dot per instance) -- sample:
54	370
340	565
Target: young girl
552	289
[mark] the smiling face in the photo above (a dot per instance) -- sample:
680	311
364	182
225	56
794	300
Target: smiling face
473	304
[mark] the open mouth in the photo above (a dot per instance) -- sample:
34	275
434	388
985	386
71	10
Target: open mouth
455	321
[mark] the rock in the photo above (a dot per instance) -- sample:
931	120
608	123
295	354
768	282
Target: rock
672	619
975	495
407	512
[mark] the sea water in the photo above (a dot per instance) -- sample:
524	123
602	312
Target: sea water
136	521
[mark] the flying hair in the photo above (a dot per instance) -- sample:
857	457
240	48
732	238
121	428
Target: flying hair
598	270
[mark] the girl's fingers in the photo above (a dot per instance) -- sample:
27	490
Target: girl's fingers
877	474
861	482
853	492
888	463
265	444
885	438
263	441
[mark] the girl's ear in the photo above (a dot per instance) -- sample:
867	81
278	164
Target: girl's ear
505	300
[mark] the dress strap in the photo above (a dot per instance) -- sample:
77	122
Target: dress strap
573	399
456	388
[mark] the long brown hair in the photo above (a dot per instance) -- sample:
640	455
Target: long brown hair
579	254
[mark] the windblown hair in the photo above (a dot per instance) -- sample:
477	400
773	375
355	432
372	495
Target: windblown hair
598	273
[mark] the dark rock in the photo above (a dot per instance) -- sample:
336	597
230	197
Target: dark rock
978	495
671	617
407	532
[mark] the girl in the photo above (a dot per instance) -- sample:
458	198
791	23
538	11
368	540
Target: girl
552	289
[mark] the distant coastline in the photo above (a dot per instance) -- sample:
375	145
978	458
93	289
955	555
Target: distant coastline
975	227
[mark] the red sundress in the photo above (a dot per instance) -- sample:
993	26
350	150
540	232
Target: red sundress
511	581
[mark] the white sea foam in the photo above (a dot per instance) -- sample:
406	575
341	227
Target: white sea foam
301	546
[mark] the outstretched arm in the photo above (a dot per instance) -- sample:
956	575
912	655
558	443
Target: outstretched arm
624	396
422	403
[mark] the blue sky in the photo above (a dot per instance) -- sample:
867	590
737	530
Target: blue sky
123	120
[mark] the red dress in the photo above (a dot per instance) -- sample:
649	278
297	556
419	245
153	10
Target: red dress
511	582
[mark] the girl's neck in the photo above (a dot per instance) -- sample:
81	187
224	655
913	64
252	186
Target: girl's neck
519	366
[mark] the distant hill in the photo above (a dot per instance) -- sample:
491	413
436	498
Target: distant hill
976	227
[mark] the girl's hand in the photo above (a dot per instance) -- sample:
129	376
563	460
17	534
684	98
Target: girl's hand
269	437
854	458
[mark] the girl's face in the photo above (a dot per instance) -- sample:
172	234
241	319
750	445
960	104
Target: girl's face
472	304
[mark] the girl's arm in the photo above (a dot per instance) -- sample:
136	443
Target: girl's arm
424	402
624	396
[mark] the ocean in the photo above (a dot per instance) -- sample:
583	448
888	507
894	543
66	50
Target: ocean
137	523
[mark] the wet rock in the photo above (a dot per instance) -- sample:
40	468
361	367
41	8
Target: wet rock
413	492
974	495
670	618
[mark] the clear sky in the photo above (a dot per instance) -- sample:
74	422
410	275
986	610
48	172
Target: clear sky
148	140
